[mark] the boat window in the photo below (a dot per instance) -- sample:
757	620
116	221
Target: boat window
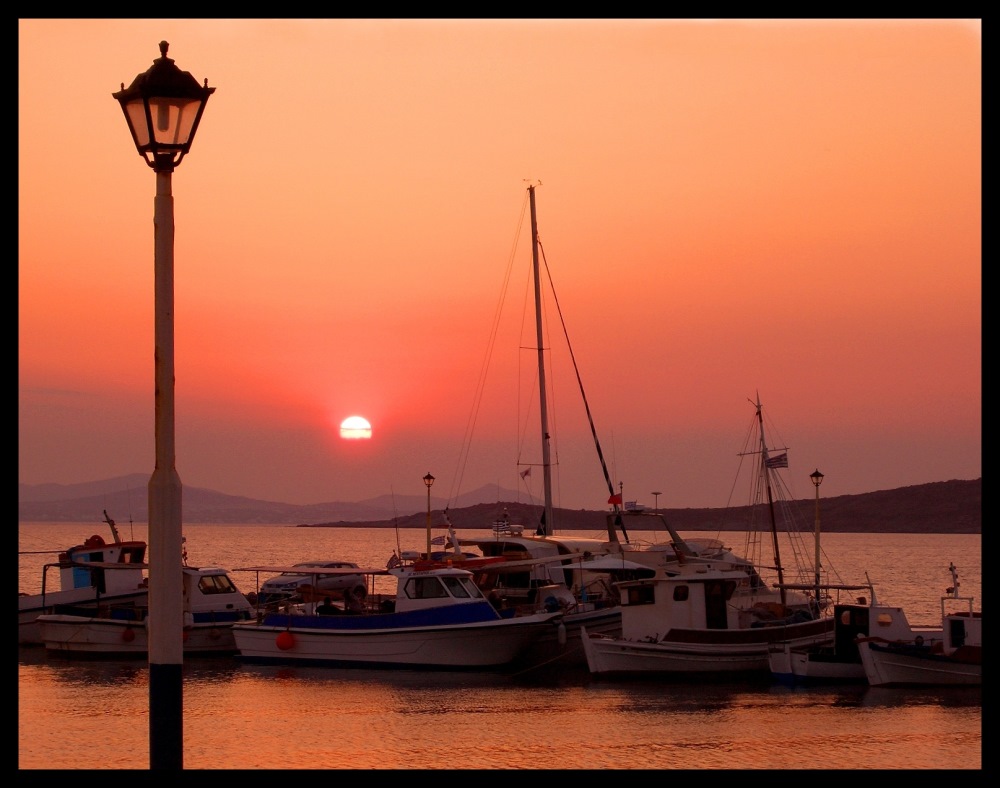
454	585
681	593
642	595
216	584
956	630
425	588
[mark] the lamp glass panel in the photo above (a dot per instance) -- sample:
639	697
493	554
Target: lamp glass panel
137	120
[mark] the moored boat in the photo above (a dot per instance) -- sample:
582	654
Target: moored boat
212	604
840	660
437	619
954	657
689	622
91	572
712	612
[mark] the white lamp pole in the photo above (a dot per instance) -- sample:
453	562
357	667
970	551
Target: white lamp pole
428	480
163	107
817	479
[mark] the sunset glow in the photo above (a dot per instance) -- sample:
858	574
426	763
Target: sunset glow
355	428
727	207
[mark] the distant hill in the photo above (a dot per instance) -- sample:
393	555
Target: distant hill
126	497
940	507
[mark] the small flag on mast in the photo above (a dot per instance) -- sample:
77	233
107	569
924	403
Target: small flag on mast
777	461
616	499
526	473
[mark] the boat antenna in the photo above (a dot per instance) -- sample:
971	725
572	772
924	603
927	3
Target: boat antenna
131	525
395	520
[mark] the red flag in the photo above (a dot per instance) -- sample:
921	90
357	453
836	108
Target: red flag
616	499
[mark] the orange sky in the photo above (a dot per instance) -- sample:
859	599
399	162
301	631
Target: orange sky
727	207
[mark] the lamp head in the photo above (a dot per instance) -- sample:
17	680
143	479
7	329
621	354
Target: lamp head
428	480
817	477
163	107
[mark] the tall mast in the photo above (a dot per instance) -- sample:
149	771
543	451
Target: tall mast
770	503
545	529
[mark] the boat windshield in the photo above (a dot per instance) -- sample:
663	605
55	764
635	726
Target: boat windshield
462	587
216	584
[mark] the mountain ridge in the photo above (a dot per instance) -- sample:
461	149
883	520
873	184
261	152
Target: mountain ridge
953	506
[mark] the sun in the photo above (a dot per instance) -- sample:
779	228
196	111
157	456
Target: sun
355	428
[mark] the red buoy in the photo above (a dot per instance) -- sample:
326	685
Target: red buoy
285	640
128	635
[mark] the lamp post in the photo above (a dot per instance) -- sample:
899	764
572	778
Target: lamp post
817	480
656	498
428	480
163	107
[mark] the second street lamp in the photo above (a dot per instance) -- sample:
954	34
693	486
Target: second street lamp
428	480
817	479
163	107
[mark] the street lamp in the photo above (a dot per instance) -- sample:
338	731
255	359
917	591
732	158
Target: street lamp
817	479
163	107
428	480
656	498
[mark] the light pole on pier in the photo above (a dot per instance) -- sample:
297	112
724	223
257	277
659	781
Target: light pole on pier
817	479
428	480
163	107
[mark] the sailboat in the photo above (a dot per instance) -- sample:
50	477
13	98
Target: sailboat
538	570
713	615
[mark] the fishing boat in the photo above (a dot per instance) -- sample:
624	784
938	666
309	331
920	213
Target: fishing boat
91	572
952	657
840	661
438	618
721	614
212	604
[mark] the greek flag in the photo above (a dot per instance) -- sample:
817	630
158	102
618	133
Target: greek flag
777	461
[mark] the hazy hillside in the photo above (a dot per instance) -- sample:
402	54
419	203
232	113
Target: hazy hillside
940	507
126	498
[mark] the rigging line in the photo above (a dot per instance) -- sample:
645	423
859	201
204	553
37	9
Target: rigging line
487	357
586	405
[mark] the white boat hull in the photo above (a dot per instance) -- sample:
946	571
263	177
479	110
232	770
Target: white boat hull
30	607
886	666
721	651
807	666
78	636
489	644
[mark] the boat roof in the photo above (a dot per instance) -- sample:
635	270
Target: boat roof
314	570
604	563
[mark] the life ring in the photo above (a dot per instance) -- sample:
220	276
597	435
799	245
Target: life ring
918	640
359	592
94	541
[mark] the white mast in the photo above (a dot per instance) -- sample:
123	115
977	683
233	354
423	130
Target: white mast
546	527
